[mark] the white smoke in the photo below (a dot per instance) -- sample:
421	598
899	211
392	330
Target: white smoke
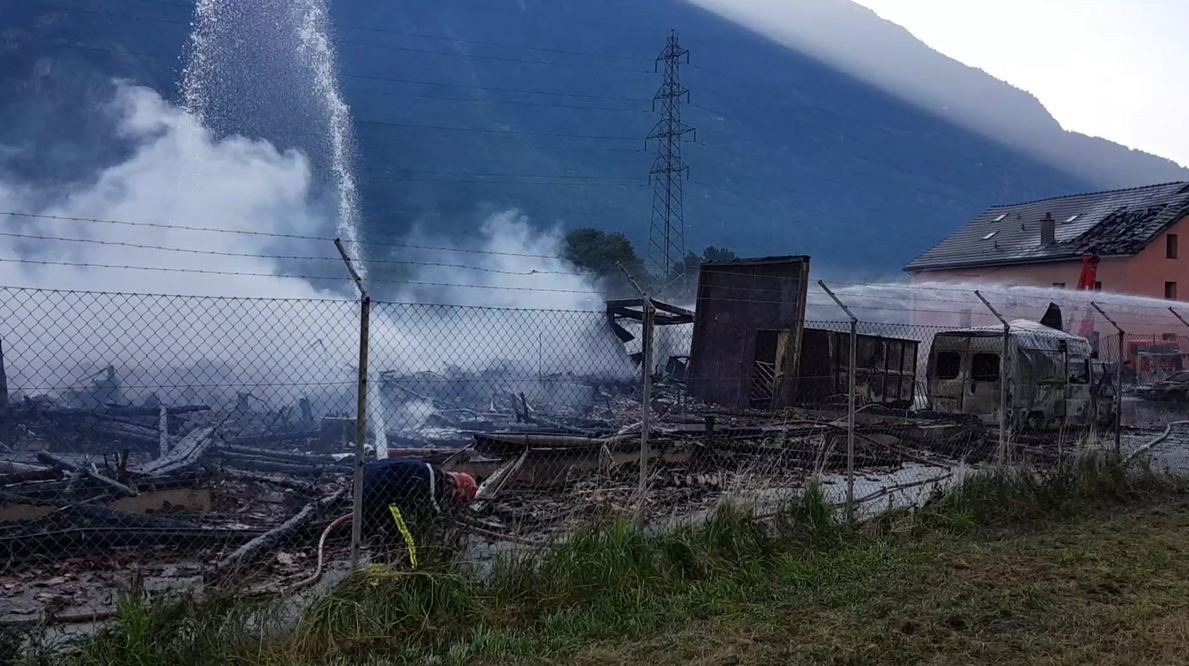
293	345
178	175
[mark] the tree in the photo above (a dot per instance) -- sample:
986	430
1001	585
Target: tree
599	251
683	279
712	253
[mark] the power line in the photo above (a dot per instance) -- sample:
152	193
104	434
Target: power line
204	271
221	253
268	234
341	42
513	176
390	79
503	45
488	100
525	91
158	225
420	35
492	130
472	56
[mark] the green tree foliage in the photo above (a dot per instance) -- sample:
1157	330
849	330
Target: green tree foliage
683	279
599	251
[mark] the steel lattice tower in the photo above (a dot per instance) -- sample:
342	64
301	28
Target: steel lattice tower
666	236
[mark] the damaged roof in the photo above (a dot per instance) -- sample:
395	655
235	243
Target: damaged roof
1116	222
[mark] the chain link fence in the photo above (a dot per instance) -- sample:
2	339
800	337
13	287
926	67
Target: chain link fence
185	442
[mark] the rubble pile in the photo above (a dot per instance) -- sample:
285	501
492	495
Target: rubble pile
206	491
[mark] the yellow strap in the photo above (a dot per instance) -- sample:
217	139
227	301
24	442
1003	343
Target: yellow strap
404	531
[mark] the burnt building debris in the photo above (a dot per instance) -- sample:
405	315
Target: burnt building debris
748	323
247	482
630	312
885	368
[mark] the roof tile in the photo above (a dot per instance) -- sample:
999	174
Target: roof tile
1104	223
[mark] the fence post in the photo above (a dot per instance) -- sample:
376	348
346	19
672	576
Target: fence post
648	319
365	307
1001	455
850	402
1118	378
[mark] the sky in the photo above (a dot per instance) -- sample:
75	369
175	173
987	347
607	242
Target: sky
1117	69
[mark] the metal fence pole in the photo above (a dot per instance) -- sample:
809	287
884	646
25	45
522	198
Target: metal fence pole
648	317
850	402
646	409
1001	455
365	307
1118	379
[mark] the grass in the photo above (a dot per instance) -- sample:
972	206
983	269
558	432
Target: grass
1081	564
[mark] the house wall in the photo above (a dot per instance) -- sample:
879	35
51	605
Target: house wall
1143	274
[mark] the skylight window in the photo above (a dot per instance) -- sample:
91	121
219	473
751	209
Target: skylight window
1000	218
1073	217
990	235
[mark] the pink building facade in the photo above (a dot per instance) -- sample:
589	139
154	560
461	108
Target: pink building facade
1140	237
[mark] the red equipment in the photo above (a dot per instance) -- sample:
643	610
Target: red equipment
1089	272
1086	282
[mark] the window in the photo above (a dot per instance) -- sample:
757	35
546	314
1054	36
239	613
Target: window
1097	286
1170	290
1059	285
1073	217
948	365
985	368
990	235
1170	242
1000	218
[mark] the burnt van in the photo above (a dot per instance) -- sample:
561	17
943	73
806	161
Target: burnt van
1053	381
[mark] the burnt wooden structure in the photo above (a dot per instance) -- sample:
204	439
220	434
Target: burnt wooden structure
747	331
885	368
632	309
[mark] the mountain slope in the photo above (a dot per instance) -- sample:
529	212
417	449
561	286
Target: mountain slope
793	155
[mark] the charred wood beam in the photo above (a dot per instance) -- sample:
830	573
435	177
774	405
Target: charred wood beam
3	382
36	474
13	467
162	431
273	454
497	443
258	548
257	477
258	464
114	412
185	454
270	437
58	544
16	498
80	471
